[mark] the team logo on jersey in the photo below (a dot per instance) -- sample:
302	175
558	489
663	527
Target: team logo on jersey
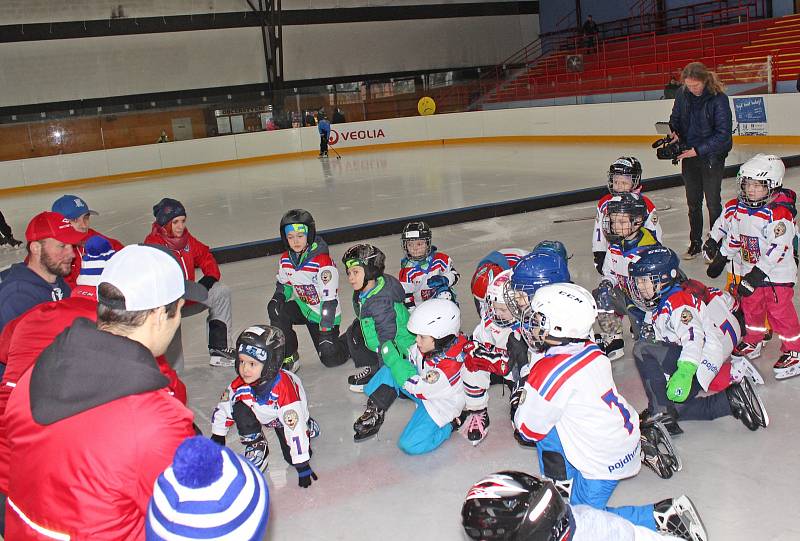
290	419
431	376
654	217
780	229
326	276
686	316
225	396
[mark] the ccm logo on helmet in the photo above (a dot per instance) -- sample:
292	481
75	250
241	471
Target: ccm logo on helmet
355	135
570	296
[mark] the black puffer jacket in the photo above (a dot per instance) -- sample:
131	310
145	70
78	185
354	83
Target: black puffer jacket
704	122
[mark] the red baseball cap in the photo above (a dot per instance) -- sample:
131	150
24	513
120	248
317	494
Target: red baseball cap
52	225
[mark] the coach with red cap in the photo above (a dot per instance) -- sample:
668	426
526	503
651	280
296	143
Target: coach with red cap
50	238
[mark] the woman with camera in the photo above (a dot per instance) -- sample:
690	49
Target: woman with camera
701	120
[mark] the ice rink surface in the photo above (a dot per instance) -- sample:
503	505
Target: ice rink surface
742	482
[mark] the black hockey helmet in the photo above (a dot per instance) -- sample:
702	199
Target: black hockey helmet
367	256
264	343
515	506
416	231
299	216
662	266
626	166
628	204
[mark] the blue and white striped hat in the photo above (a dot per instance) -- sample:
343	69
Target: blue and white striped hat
97	251
208	492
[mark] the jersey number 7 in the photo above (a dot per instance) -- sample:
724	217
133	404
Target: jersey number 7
613	400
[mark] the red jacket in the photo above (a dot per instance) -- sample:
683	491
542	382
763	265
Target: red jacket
196	254
91	426
72	277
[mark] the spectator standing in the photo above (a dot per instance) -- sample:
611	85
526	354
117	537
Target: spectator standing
590	33
338	117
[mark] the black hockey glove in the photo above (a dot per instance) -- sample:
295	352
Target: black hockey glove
216	438
517	353
305	474
750	281
207	282
710	249
516	396
599	259
717	265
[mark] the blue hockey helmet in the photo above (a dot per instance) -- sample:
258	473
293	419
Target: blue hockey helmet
655	271
555	246
532	272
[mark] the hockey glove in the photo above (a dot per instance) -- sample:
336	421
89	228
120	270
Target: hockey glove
710	249
515	399
401	368
599	259
680	383
219	440
750	281
437	282
517	352
305	475
256	450
207	282
717	265
478	358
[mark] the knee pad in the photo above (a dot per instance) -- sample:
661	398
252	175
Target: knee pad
332	352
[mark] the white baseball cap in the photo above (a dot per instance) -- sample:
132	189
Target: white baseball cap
148	277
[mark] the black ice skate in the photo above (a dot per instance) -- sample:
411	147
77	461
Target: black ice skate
657	450
679	517
612	345
313	428
256	450
361	378
224	357
476	426
291	362
746	405
369	423
668	418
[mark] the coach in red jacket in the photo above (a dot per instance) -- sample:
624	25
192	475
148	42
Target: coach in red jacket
92	424
169	229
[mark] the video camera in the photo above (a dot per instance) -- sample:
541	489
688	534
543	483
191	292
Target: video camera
665	148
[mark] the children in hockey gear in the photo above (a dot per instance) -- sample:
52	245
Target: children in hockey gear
587	434
516	506
756	233
490	266
658	453
324	128
695	329
379	334
554	246
532	272
624	176
264	394
307	292
431	377
423	268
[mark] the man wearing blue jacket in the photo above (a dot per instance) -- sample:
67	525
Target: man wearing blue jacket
701	118
324	128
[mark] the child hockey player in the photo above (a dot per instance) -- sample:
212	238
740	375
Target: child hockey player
379	334
623	226
264	394
587	434
487	270
516	506
6	235
307	292
756	232
689	331
431	377
324	128
624	176
424	272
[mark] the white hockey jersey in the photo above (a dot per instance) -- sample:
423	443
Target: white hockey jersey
284	404
314	284
599	241
572	390
762	237
707	333
620	256
414	276
438	384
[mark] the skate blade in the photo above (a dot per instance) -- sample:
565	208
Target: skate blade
688	514
665	446
357	388
786	373
359	439
763	420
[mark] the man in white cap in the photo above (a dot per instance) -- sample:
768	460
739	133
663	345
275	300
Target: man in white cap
92	424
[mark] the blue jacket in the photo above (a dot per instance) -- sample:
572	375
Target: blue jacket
324	127
704	122
22	289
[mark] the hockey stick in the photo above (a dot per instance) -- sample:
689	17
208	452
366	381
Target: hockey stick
338	156
584	218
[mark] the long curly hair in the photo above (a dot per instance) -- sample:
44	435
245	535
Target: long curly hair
699	72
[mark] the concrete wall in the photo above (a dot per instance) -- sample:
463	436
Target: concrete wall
596	120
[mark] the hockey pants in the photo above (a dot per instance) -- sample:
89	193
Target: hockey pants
323	143
421	435
331	349
357	347
553	464
476	388
219	322
656	362
777	304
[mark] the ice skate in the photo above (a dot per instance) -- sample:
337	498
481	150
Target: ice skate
742	368
657	451
368	424
256	450
746	405
787	366
679	517
223	357
361	378
476	426
667	418
313	428
292	362
522	441
612	345
748	350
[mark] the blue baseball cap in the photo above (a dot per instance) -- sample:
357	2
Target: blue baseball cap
71	206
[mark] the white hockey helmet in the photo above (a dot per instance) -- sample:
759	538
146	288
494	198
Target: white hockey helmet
766	168
437	318
562	311
495	293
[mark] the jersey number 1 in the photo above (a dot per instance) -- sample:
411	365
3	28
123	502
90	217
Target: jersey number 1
613	400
